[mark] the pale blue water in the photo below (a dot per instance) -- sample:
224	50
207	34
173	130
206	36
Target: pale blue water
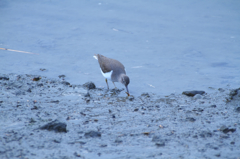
166	46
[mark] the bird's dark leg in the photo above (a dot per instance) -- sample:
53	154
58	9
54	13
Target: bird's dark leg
114	85
107	83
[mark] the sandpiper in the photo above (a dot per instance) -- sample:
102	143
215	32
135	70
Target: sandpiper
113	70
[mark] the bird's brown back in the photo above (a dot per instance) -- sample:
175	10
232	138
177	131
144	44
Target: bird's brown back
108	64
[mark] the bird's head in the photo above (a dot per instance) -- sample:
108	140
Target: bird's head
125	81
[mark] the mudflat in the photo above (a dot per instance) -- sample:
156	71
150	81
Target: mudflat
50	118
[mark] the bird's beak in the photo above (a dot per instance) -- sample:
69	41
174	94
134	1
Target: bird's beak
127	91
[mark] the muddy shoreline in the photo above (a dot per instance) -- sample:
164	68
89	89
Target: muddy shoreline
50	118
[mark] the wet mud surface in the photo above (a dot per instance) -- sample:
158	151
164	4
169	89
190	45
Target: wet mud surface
50	118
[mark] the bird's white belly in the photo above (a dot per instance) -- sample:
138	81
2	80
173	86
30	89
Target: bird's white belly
107	75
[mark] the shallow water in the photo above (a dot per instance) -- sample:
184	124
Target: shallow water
166	46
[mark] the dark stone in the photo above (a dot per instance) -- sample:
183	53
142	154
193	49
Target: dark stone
92	134
193	93
66	83
233	93
160	144
146	133
4	78
131	98
77	154
40	85
136	109
43	69
82	113
118	141
89	85
87	94
190	119
238	109
61	76
55	101
87	100
57	141
55	126
81	142
198	109
205	134
195	136
29	90
145	95
218	155
32	121
34	108
225	130
213	106
221	90
228	130
104	145
113	116
36	78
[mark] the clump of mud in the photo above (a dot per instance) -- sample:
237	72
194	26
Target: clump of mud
50	118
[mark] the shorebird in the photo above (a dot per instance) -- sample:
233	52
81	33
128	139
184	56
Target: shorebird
113	70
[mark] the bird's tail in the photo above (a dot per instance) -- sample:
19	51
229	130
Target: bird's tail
95	56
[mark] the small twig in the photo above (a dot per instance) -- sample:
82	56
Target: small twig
18	51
